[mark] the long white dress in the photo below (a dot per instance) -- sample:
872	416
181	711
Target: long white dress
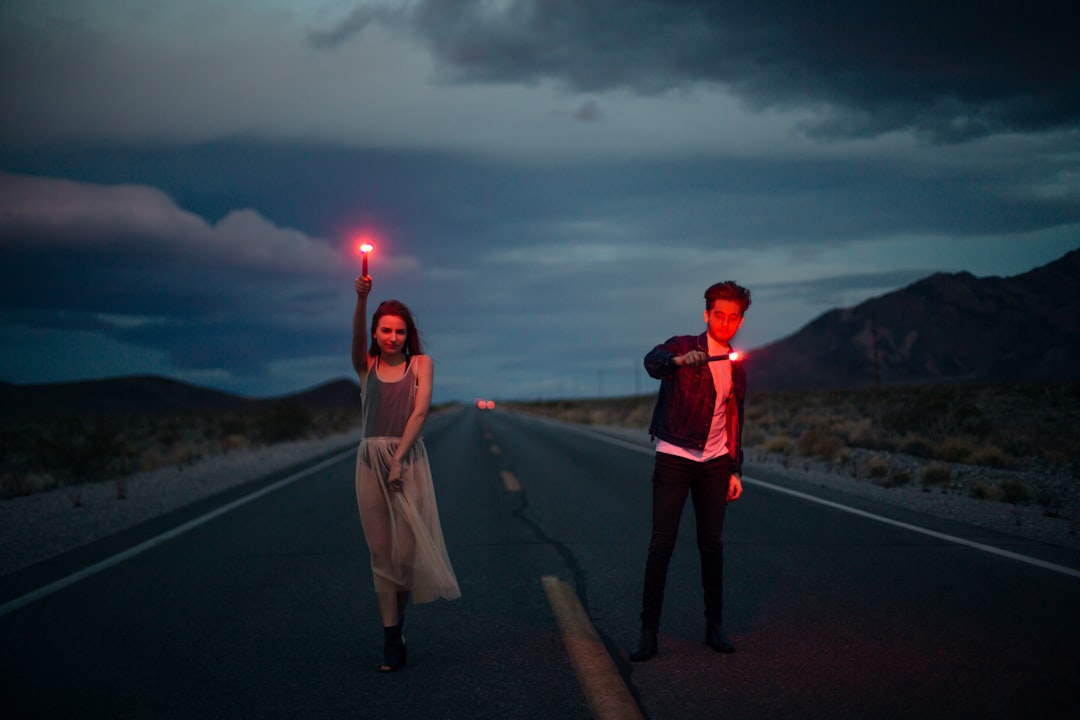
402	528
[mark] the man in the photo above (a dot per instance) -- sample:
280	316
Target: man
697	424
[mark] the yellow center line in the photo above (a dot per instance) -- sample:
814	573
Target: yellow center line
496	450
510	481
605	691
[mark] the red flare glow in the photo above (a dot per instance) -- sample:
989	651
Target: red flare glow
364	248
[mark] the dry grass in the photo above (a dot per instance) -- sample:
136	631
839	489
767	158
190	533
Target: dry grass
46	454
953	438
992	425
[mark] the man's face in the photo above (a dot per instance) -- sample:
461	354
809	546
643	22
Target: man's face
723	320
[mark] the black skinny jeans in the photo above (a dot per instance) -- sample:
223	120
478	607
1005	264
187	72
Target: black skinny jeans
707	483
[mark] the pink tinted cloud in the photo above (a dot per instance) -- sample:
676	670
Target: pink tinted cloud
43	212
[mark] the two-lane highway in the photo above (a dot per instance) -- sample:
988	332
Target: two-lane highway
267	609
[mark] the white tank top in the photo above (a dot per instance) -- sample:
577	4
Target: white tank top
387	406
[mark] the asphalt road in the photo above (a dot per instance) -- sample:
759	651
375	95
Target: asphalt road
266	610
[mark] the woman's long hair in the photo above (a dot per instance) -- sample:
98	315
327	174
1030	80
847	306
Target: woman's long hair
413	346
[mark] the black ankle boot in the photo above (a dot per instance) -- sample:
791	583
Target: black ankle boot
393	649
646	647
716	639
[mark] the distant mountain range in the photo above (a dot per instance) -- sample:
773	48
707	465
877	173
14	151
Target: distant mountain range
944	328
156	395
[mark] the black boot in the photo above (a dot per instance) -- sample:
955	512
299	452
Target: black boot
646	647
393	649
716	639
402	605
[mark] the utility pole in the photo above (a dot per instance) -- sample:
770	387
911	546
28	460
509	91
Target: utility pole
873	337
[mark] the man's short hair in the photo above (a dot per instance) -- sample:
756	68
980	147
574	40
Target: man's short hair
727	290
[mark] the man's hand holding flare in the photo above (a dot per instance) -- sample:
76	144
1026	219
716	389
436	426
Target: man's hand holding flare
699	357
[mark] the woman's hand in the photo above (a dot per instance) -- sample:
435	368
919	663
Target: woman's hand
363	286
393	480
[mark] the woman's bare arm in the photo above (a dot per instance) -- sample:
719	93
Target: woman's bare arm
360	359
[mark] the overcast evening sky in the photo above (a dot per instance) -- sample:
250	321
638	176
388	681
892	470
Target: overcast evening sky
551	185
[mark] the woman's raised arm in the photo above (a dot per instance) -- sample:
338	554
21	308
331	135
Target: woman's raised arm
360	359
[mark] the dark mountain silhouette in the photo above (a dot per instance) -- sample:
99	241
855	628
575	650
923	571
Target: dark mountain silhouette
943	328
334	395
141	395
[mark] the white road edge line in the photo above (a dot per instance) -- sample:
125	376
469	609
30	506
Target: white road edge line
56	585
1045	565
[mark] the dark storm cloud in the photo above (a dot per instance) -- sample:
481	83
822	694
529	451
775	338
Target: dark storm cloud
952	71
551	206
448	208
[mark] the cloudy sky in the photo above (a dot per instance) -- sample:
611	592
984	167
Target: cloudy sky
551	185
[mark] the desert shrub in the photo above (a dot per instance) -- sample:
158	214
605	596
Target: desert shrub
754	438
991	456
1051	499
638	415
53	453
572	413
1054	456
805	420
936	475
233	425
952	450
20	484
13	485
597	416
898	479
284	422
877	467
916	445
819	442
781	445
182	454
152	459
978	427
901	418
979	491
934	409
235	441
209	427
1015	492
755	413
863	433
78	453
169	431
124	459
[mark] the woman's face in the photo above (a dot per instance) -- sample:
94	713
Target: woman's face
390	334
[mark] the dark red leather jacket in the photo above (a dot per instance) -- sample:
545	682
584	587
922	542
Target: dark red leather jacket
684	405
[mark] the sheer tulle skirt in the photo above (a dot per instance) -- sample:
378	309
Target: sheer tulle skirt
402	528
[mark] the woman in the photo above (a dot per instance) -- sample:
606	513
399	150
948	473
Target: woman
393	477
